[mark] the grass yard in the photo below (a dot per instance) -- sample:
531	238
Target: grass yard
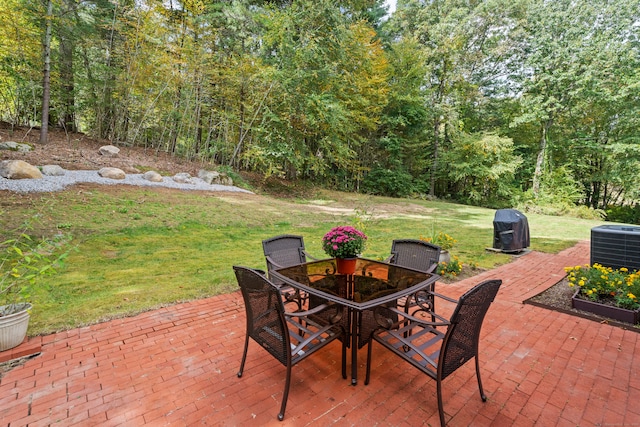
137	248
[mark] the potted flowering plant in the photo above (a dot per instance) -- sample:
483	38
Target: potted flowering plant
606	291
344	242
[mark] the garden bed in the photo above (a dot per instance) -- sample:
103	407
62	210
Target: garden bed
558	298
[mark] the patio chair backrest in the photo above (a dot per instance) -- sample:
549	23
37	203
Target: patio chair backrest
415	254
463	334
265	313
284	250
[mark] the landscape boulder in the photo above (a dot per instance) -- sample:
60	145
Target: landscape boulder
213	177
19	169
52	170
183	178
152	176
109	151
112	173
15	146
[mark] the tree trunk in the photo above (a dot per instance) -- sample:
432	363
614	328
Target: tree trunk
437	121
198	79
175	122
241	131
107	108
67	118
434	166
198	118
541	156
46	80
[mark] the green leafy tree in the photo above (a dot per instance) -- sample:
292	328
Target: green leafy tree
402	142
462	44
331	86
481	169
571	60
20	63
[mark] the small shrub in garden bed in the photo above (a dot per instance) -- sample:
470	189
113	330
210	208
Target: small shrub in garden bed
449	269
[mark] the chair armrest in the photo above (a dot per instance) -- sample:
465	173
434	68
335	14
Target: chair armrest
433	268
333	319
444	297
388	259
424	299
271	264
386	322
306	254
443	321
304	313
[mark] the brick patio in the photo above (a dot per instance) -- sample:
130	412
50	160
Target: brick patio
178	365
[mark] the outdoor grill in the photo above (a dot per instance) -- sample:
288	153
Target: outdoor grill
510	231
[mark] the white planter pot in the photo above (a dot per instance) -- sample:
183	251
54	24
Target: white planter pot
13	327
444	256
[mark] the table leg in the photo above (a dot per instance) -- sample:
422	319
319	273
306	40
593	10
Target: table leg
354	346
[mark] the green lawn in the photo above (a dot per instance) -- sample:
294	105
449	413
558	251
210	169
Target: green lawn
137	248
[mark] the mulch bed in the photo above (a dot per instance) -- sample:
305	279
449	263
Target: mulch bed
558	298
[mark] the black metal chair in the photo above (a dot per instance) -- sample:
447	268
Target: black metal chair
282	251
290	337
415	254
436	352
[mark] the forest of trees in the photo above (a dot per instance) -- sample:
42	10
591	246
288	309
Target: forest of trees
487	102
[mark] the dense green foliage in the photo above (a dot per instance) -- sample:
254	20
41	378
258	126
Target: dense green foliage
490	102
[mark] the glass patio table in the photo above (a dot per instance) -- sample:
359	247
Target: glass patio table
374	283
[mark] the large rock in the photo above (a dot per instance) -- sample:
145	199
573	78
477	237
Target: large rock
109	151
183	178
152	176
208	176
52	170
19	169
112	173
15	146
213	177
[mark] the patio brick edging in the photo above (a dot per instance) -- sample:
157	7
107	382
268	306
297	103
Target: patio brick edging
29	347
32	346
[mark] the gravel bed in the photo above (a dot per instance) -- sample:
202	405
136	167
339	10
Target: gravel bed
59	183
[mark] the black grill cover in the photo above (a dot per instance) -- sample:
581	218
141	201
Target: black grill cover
510	230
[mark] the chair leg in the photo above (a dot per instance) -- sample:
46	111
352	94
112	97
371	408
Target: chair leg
482	395
368	374
440	405
344	358
433	308
285	395
244	355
